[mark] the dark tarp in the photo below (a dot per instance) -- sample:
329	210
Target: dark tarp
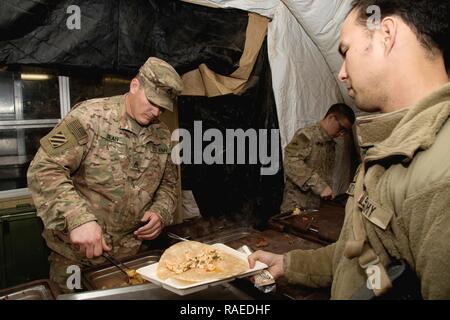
235	189
118	36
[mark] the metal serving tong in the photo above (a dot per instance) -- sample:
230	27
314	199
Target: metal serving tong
176	237
282	214
290	213
122	267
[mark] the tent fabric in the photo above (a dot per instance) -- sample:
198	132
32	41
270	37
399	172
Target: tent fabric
205	82
262	7
322	20
303	39
303	85
233	189
36	33
118	36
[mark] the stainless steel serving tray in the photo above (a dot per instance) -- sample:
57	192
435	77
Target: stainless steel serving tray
35	290
150	291
227	235
109	277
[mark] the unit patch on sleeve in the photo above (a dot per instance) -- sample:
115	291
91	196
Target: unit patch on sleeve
58	139
65	136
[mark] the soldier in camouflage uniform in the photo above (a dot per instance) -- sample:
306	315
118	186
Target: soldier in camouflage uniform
103	179
309	159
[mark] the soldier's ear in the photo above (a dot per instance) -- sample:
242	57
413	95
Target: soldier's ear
388	31
134	86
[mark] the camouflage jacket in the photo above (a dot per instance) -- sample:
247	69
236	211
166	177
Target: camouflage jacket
99	164
399	199
308	166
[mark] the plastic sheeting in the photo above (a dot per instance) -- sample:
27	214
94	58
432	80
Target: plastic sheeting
234	189
263	7
322	21
119	35
303	39
205	82
303	85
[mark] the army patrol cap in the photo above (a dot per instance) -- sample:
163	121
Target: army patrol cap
161	82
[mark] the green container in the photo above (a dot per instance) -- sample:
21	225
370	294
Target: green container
23	252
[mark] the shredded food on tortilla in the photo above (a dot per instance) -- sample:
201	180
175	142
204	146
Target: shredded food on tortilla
206	260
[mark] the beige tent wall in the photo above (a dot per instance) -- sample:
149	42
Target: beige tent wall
303	37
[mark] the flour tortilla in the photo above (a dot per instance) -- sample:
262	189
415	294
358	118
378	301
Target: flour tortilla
226	267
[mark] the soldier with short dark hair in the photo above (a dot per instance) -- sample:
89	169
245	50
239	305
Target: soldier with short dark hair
397	215
103	179
309	159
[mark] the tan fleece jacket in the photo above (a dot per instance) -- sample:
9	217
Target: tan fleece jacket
407	176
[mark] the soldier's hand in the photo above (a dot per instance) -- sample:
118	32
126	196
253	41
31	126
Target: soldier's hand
89	238
327	194
274	261
152	228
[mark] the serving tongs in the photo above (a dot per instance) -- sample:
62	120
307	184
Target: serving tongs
288	214
282	215
176	237
120	265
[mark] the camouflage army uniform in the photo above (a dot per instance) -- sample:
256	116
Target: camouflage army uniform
398	205
308	166
101	165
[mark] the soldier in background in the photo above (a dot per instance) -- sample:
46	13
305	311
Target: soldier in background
103	179
309	159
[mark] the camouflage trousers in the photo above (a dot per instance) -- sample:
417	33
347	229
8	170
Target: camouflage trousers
59	267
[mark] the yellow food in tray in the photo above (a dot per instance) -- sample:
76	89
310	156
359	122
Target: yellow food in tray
134	278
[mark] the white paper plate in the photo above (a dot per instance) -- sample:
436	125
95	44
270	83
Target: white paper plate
183	288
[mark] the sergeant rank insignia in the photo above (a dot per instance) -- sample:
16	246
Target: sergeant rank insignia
58	139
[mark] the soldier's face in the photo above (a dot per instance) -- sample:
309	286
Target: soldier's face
364	64
139	107
336	126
